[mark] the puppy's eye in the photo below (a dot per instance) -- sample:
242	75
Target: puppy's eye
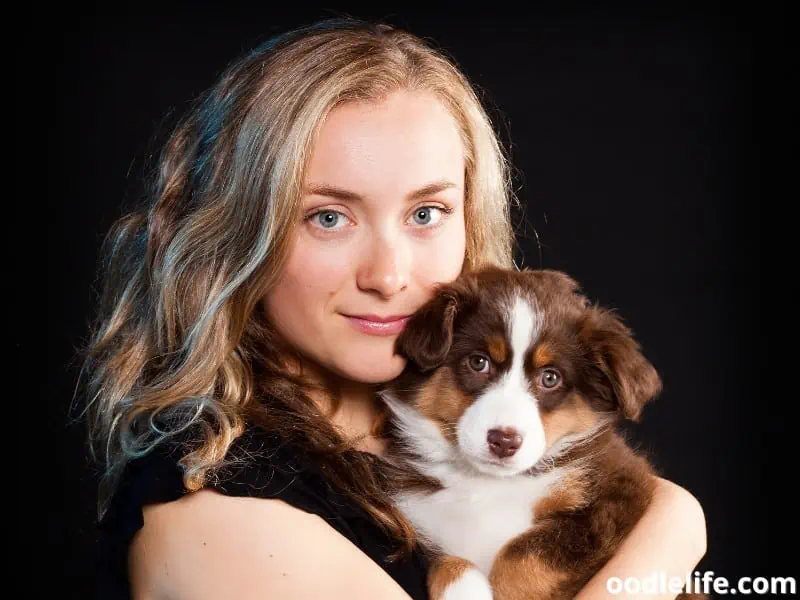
478	363
550	378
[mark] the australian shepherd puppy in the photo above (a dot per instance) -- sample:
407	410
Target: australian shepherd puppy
502	432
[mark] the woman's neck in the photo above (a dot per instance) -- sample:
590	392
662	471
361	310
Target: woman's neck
357	413
352	407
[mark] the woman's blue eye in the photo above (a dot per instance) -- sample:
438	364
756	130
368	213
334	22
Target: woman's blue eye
329	217
424	212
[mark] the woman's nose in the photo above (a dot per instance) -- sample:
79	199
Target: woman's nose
385	268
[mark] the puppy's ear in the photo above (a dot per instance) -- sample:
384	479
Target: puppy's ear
427	337
621	375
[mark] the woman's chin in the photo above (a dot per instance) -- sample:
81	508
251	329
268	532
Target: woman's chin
373	369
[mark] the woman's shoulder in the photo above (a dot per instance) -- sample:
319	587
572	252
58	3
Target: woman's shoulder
210	545
266	493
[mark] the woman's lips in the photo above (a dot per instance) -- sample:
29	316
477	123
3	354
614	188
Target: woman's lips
378	328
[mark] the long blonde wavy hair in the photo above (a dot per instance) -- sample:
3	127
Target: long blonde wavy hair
180	340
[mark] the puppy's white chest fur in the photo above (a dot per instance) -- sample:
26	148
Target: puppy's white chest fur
473	517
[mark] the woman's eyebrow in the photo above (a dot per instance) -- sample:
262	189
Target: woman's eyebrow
322	189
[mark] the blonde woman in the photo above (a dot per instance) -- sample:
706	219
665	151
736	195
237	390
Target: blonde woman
328	181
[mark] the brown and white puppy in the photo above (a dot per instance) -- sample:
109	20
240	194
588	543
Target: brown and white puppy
502	427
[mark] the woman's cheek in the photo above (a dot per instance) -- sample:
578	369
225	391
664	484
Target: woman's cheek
320	264
448	250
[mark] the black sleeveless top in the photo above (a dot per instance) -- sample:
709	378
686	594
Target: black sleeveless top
272	471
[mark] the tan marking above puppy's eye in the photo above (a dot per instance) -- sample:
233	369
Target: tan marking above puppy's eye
550	379
497	348
542	356
479	363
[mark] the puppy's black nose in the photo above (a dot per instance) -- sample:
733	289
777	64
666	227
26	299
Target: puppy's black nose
504	442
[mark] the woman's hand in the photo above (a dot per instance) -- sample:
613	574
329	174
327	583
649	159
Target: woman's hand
670	539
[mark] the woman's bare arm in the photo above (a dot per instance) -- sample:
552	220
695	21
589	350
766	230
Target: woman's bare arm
670	539
211	546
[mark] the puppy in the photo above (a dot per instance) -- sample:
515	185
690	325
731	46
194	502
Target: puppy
502	433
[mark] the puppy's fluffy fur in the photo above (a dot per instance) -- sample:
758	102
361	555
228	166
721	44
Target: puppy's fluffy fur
502	431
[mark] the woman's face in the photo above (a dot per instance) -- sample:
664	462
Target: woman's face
376	233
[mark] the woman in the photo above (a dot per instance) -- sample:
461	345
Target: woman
330	179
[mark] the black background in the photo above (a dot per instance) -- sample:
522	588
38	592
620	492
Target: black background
635	141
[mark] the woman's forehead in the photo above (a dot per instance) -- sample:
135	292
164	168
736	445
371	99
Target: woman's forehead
405	144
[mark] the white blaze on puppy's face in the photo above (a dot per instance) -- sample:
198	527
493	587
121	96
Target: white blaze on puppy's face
508	404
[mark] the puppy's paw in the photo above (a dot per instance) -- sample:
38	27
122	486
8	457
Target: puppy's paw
470	585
